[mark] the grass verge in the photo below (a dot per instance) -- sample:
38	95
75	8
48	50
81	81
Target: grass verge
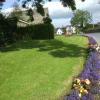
40	69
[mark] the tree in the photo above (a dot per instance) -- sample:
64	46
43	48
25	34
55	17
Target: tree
39	4
30	14
1	3
47	19
81	19
8	26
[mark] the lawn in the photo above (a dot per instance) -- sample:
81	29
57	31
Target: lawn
40	69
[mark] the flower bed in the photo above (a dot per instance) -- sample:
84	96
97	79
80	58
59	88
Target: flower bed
87	83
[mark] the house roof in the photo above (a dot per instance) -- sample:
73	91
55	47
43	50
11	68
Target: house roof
37	17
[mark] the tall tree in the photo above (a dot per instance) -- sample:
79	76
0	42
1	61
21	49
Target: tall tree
30	14
38	4
81	19
1	3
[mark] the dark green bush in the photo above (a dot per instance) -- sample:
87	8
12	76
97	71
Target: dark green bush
47	20
92	28
43	31
2	39
7	28
9	32
40	31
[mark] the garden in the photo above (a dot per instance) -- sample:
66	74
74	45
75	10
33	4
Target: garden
36	64
40	69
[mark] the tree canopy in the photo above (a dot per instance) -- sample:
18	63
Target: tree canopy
81	18
38	3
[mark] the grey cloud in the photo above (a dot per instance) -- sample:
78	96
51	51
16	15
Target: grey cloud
60	14
61	17
61	22
94	9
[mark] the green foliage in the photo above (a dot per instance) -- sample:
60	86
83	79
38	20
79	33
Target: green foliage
70	3
2	39
47	20
1	3
9	32
7	28
39	6
40	9
40	31
92	28
30	13
81	19
43	31
40	69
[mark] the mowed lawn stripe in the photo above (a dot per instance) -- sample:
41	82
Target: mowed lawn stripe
40	69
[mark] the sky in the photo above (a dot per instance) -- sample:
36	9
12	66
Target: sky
61	16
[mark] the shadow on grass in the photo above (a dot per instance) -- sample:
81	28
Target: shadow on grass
54	47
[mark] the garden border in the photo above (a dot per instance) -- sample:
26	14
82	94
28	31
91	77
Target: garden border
87	84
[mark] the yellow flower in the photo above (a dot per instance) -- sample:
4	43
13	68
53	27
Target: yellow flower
81	89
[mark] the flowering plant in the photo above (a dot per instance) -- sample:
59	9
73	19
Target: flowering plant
82	86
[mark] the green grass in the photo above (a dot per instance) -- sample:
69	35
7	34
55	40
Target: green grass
40	69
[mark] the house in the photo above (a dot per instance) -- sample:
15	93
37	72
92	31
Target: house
24	19
73	30
38	18
70	30
59	31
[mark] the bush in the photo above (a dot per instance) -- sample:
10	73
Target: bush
43	31
40	31
47	20
92	28
2	39
7	28
9	32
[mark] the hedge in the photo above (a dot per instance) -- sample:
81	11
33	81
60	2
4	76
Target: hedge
10	32
8	27
40	31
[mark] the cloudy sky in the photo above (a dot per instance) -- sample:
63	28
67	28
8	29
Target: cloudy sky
61	16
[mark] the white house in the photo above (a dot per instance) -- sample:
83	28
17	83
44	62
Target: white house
59	32
70	30
73	30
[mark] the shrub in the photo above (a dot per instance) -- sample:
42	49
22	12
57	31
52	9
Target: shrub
43	31
40	31
9	32
7	28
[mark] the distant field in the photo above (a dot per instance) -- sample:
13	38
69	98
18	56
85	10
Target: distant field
40	69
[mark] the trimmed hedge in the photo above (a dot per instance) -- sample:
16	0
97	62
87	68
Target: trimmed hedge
40	31
10	32
8	27
92	30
